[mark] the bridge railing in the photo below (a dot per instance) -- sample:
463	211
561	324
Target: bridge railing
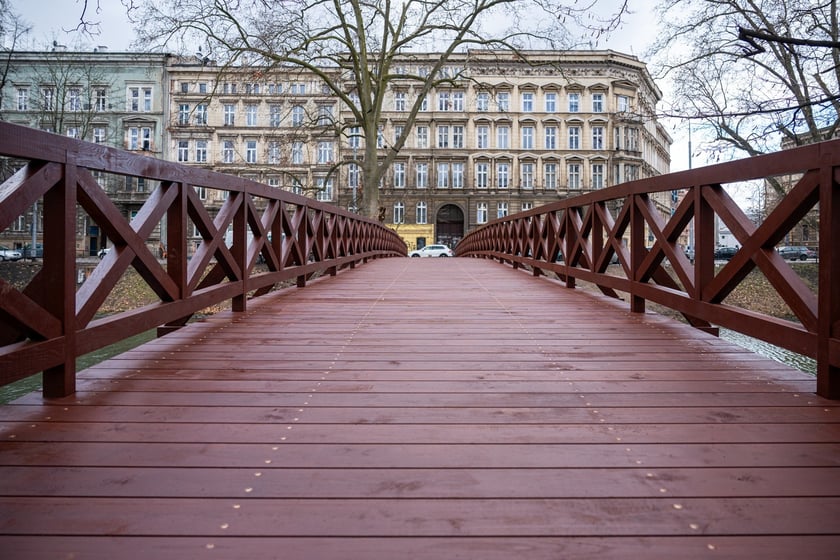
45	325
578	238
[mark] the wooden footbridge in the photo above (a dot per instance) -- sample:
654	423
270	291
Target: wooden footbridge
356	405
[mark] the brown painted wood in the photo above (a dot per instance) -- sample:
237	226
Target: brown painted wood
391	412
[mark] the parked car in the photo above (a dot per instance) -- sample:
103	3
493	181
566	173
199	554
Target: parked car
104	251
37	254
725	253
7	254
432	251
797	253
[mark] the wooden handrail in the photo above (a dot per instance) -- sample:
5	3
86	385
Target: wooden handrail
588	231
45	326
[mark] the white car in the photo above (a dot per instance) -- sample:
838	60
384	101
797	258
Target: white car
7	254
432	251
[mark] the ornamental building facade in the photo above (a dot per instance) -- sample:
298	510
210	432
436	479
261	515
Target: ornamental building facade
503	135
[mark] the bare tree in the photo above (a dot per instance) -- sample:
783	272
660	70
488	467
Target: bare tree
755	72
352	46
12	32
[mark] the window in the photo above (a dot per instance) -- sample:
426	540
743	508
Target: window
251	151
101	99
481	213
527	102
550	176
140	99
273	182
501	209
274	152
183	150
298	115
227	151
550	102
574	137
424	104
443	101
597	102
527	138
482	134
551	138
48	98
399	130
325	152
526	175
353	173
229	114
98	134
443	175
503	137
457	175
201	114
502	175
183	113
458	101
503	101
297	152
443	136
354	139
482	101
422	136
201	151
325	115
250	115
526	206
325	189
140	138
597	137
458	136
380	137
399	213
482	170
422	213
400	101
297	88
202	87
574	176
74	102
275	115
597	175
73	132
623	103
202	194
185	87
23	99
574	102
399	175
422	175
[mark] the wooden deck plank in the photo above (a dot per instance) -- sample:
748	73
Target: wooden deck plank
390	411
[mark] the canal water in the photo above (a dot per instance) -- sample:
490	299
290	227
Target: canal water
804	363
25	386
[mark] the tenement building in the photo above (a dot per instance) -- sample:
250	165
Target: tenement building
114	99
505	133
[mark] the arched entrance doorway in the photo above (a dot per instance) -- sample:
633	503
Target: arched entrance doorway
449	225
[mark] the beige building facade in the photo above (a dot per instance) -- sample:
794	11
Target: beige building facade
503	135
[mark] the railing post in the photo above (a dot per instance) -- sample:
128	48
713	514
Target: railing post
637	249
828	335
240	251
60	271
